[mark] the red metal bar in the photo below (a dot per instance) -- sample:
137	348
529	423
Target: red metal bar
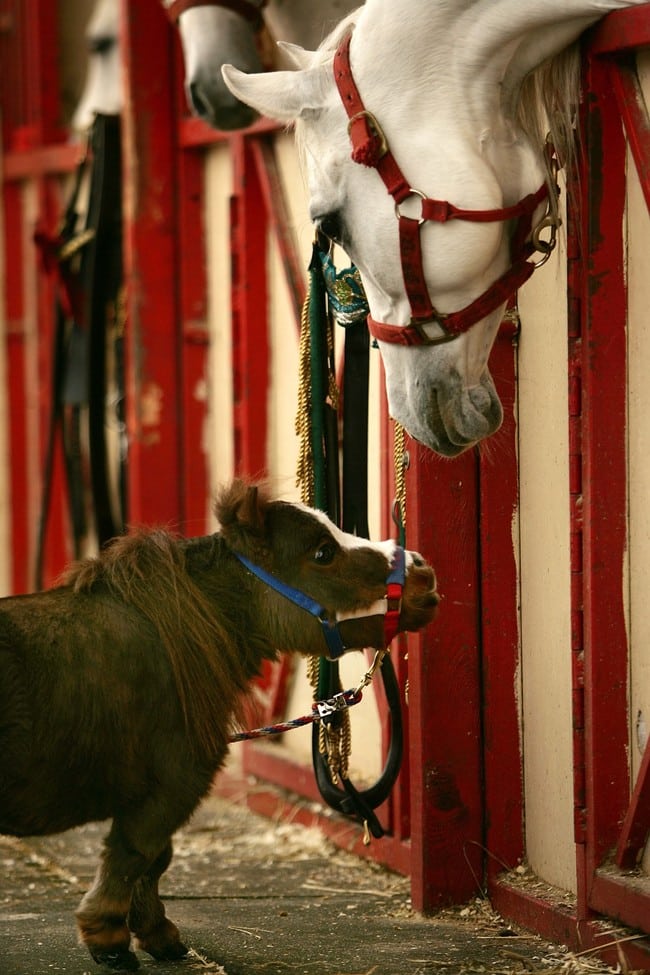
620	31
444	686
576	541
604	497
41	161
249	314
499	498
151	261
17	430
195	344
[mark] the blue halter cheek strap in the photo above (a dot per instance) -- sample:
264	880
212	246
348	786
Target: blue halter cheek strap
331	632
335	644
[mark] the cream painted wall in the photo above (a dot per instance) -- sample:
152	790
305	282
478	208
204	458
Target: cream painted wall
544	574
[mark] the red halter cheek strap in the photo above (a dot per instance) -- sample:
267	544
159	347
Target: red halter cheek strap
370	148
245	8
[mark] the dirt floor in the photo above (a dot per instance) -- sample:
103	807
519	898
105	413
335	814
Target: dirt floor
253	897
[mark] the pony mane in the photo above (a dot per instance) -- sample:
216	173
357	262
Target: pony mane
212	663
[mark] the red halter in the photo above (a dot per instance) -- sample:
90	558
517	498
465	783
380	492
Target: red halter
369	148
245	8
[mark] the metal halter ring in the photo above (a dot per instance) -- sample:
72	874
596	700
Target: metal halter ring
411	192
545	247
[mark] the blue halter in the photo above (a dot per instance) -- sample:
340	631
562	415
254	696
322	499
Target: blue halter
331	632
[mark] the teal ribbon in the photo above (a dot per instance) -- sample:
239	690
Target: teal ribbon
347	299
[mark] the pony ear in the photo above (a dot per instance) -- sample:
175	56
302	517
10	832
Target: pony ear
280	95
241	509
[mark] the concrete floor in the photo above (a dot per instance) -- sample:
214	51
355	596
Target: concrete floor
252	897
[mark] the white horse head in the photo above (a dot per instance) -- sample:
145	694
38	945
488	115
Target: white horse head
443	81
103	91
216	32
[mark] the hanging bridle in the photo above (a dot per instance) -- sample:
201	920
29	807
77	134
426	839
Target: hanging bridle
370	148
245	8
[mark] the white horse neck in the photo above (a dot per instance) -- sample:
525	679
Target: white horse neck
480	49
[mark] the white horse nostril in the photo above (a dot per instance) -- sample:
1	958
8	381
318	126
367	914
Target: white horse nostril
479	398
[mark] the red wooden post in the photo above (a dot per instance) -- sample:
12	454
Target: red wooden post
195	486
444	686
151	270
249	314
17	428
499	499
604	499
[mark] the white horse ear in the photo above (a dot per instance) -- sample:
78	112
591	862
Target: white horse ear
280	95
296	54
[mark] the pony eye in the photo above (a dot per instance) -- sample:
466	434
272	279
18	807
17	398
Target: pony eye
324	554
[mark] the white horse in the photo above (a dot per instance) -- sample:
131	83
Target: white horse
434	90
214	32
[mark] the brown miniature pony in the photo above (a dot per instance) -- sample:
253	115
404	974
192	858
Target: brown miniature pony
118	690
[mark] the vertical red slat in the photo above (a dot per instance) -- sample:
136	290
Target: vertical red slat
603	350
195	486
151	269
444	686
17	440
250	313
499	499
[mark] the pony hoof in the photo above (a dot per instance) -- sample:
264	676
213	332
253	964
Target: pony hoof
170	953
121	960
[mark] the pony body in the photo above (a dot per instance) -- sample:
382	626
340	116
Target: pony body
118	690
450	85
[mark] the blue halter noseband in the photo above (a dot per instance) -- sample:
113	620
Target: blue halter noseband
335	644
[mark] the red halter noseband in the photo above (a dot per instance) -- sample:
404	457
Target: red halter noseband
245	8
369	148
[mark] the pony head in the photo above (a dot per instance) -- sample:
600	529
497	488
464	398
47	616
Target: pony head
297	548
444	83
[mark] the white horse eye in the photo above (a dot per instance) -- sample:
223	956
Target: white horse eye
330	225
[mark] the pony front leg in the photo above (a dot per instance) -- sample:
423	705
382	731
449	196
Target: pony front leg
155	933
101	915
